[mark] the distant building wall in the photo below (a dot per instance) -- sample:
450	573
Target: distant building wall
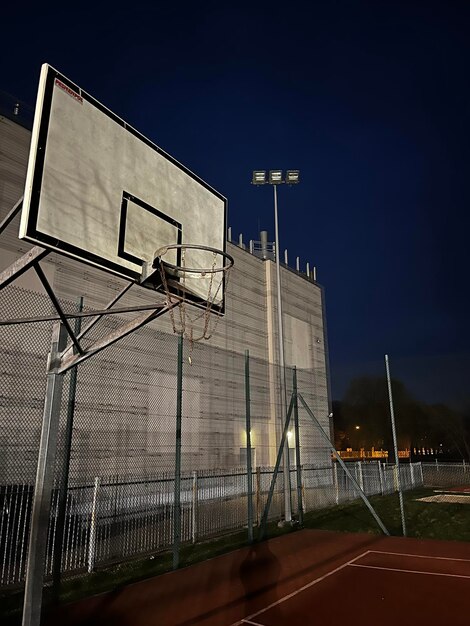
126	398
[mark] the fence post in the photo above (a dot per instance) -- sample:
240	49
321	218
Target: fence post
412	475
177	484
381	478
280	452
335	480
396	477
93	525
258	495
300	505
304	499
437	467
194	507
359	475
249	470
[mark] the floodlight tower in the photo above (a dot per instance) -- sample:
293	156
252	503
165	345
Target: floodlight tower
276	178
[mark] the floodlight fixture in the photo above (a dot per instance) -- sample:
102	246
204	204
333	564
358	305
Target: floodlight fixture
259	177
292	177
275	177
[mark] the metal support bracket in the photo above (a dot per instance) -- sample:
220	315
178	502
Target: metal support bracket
9	217
280	452
69	360
343	465
58	308
22	265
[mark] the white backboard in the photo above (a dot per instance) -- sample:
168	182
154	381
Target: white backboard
99	191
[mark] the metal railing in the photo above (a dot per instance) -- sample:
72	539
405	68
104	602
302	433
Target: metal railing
111	519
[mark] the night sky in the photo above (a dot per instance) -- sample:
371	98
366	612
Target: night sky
370	100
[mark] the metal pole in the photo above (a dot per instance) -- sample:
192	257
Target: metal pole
264	519
395	447
335	481
9	217
286	464
44	481
62	500
300	507
194	508
93	527
343	466
249	470
177	493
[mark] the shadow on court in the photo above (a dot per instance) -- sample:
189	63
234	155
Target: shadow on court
259	574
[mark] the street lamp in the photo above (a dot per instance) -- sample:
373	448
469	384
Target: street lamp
276	178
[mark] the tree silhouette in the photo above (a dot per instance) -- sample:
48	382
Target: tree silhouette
362	420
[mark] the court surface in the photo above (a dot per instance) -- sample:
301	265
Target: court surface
307	577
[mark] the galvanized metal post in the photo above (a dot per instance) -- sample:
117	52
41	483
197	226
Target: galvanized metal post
194	508
335	481
93	527
44	482
64	479
282	379
258	495
359	476
249	469
381	479
264	519
177	491
300	504
395	447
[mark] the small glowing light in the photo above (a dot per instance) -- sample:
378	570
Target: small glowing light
357	427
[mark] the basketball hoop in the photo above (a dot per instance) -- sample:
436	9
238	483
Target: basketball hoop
178	281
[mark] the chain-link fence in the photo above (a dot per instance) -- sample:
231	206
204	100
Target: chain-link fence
119	503
116	447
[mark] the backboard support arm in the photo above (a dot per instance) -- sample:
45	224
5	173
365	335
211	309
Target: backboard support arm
100	315
119	333
58	308
22	265
10	216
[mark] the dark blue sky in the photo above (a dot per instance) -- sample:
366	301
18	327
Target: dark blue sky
370	100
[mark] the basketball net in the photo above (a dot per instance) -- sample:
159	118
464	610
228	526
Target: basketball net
195	323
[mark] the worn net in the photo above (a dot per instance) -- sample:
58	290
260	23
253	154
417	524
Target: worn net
194	322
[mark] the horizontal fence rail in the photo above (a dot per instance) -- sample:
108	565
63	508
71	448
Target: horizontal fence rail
112	520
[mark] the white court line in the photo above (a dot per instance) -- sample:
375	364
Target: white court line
407	571
419	556
247	619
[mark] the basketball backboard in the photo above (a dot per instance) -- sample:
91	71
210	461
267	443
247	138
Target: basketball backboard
99	191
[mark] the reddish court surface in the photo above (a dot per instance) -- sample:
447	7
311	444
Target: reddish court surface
305	578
